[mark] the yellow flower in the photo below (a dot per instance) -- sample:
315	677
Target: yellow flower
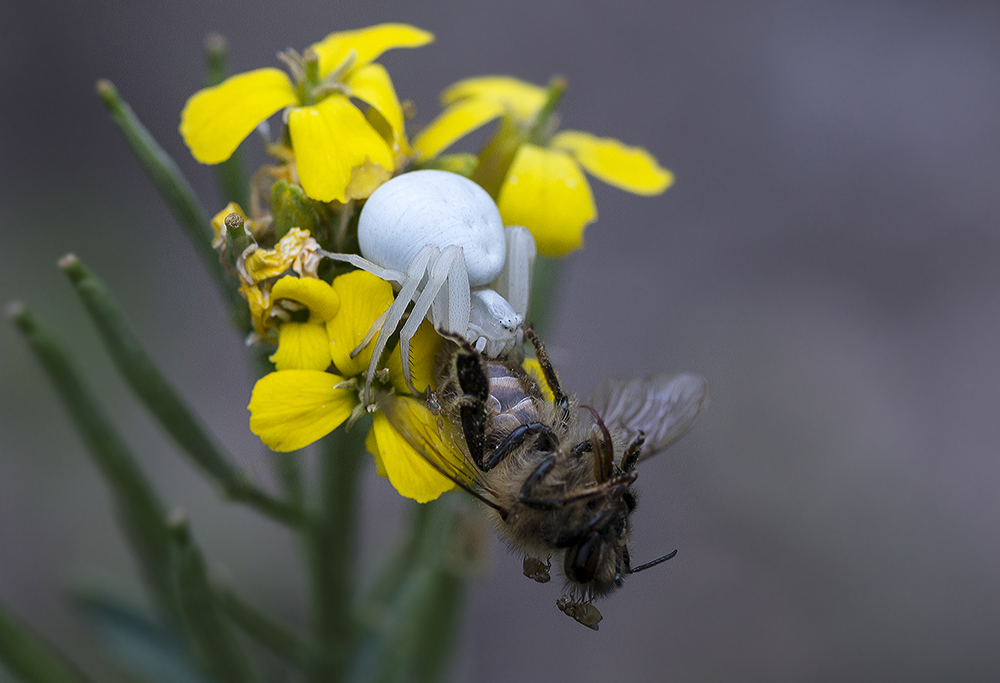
331	138
292	408
545	189
304	344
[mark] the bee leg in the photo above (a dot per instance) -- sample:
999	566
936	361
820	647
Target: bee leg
475	386
533	481
631	457
561	399
546	442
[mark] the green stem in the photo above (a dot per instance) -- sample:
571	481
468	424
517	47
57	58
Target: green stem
372	609
415	613
139	510
152	388
544	291
210	633
176	192
333	550
275	636
230	175
30	658
541	130
497	156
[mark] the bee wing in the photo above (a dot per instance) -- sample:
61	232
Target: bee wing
662	406
437	443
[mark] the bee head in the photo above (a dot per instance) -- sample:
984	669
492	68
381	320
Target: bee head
598	562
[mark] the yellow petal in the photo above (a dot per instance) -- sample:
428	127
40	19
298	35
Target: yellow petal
371	444
363	298
318	296
534	370
302	346
424	348
411	475
365	179
546	192
329	140
632	169
215	120
371	84
455	122
291	409
522	99
367	43
259	301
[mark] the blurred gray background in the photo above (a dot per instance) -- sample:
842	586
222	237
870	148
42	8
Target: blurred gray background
827	259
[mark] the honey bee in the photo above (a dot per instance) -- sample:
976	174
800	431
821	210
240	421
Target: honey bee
557	486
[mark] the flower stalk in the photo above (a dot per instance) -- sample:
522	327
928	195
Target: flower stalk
139	510
333	542
210	632
175	190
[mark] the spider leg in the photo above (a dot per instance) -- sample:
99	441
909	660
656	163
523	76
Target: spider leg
362	263
415	273
514	281
450	260
451	307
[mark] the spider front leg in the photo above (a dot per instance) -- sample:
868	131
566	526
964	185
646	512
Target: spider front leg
387	323
387	274
449	269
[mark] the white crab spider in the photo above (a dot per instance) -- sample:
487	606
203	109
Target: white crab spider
439	238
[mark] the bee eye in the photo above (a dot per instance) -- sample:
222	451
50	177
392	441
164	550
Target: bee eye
581	561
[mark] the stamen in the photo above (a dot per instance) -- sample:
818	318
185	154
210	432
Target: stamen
294	62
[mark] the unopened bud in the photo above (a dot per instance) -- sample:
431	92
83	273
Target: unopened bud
291	208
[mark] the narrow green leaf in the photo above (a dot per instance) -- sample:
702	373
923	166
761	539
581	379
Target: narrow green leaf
230	175
139	510
153	389
210	633
176	192
29	657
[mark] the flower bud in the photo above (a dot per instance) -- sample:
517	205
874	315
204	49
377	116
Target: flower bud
291	208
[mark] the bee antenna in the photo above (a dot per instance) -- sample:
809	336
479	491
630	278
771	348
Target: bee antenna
655	562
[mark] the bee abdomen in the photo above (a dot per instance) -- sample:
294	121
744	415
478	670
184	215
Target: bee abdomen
507	396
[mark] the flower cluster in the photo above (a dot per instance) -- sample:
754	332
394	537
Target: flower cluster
302	401
343	136
543	188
